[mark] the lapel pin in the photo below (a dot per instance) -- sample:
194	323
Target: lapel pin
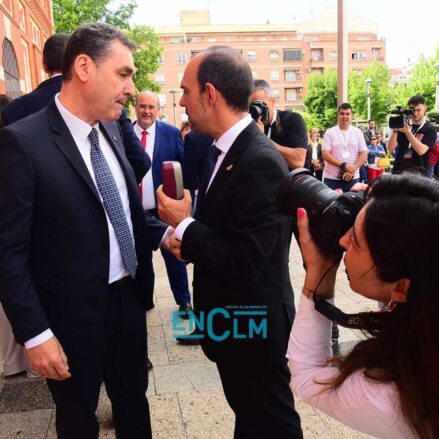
114	138
229	168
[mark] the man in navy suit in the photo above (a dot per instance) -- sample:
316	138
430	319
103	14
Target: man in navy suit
72	241
162	142
39	98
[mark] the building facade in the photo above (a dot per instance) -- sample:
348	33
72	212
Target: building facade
25	25
282	54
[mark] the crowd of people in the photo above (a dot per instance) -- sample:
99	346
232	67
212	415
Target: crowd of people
83	208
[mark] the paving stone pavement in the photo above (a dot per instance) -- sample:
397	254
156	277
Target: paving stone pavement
185	394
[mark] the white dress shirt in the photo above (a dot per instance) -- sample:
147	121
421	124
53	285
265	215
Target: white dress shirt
223	144
80	131
148	198
360	403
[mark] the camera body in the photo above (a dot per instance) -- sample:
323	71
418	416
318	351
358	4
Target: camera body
400	117
259	109
330	214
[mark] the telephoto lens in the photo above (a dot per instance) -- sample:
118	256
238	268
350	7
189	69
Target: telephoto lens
330	214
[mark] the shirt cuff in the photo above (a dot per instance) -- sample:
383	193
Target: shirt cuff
38	339
179	231
164	236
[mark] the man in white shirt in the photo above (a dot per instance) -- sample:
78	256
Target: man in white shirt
344	152
72	240
238	243
162	142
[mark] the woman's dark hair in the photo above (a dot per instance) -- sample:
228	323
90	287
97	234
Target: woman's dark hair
94	40
402	231
227	70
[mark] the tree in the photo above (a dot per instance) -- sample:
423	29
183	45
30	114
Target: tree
69	14
380	91
321	99
146	57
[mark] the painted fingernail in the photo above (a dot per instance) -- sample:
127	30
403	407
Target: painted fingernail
300	212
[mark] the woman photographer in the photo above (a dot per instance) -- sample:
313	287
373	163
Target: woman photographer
388	386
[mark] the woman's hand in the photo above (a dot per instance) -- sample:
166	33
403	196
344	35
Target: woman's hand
316	264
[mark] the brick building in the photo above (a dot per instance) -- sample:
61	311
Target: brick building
282	54
24	27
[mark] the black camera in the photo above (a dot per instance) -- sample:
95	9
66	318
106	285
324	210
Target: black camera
330	214
259	109
399	117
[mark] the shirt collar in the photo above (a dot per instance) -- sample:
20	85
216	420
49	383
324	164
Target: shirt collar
226	140
274	117
76	126
140	130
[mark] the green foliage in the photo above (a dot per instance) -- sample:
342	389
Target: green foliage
380	92
146	57
310	121
321	99
69	14
433	117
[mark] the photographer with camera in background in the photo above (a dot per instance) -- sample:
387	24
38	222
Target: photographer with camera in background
388	385
413	142
286	129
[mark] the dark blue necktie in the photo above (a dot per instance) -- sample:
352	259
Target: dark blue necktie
113	204
212	158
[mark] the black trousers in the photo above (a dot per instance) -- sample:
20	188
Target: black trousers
119	361
262	401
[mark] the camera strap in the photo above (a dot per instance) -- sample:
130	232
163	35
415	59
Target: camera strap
369	321
416	132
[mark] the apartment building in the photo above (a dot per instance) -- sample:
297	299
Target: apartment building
24	27
282	54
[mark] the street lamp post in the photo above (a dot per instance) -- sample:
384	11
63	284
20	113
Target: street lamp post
436	101
173	91
368	81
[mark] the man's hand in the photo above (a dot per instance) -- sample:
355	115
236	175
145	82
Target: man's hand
348	176
49	360
260	124
351	168
405	129
171	211
176	247
166	240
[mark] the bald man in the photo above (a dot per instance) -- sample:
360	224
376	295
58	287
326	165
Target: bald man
162	142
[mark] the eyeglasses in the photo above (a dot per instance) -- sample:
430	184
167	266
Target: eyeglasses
373	138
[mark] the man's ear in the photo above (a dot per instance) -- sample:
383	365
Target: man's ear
83	66
212	93
399	293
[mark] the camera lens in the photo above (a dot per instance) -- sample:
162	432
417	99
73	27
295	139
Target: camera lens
330	214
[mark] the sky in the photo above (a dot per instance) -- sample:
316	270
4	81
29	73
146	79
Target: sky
410	28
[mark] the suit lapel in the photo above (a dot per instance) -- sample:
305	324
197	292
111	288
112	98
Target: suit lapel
65	142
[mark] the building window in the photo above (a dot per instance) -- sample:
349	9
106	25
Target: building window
27	77
292	54
290	75
228	39
181	58
290	94
36	34
274	75
375	53
10	67
160	59
175	40
254	74
160	78
251	56
276	94
333	56
317	55
358	55
274	55
180	77
162	99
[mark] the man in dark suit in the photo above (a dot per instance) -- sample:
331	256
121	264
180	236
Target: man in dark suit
72	239
39	98
238	243
196	146
162	142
